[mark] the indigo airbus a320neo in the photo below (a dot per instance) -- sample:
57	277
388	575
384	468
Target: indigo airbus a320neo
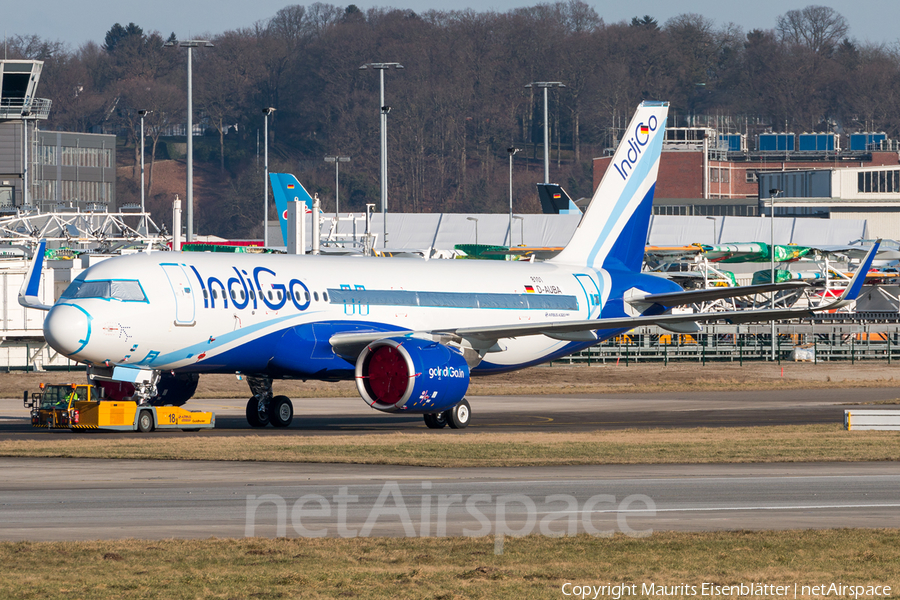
409	332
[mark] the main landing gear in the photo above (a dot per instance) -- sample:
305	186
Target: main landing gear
263	408
457	417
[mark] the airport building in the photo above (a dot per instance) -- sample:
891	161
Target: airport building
48	170
703	172
57	186
871	193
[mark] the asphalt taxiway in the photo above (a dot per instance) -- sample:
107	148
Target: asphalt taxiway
585	412
77	499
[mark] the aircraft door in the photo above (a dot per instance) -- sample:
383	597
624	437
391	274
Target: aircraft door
183	291
590	295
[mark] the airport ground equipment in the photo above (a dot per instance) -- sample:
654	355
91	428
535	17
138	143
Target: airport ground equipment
82	407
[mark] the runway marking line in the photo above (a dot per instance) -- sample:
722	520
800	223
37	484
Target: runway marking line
739	508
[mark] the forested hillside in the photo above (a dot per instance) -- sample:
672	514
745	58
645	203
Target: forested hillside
460	100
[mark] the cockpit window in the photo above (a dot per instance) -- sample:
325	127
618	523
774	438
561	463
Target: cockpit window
116	289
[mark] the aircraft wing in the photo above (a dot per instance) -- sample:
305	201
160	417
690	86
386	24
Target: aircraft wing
28	293
350	344
691	296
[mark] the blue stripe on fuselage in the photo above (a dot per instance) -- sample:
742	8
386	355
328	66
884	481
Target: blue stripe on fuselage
301	351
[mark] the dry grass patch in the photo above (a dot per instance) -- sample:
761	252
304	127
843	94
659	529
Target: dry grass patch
558	379
806	443
440	568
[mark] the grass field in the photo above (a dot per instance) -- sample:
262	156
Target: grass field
805	443
444	568
557	379
456	568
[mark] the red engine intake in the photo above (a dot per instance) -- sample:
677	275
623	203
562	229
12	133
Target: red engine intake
412	375
388	374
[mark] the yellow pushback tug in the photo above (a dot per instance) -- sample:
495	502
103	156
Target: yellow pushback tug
78	407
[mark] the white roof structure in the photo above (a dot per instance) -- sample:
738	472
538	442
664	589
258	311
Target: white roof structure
442	231
669	230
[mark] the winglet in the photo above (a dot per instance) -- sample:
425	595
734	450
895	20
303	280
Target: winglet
852	290
28	293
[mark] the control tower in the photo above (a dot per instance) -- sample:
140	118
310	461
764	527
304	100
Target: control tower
19	110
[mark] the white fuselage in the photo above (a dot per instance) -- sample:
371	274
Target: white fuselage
200	306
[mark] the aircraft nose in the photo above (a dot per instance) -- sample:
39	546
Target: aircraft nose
67	328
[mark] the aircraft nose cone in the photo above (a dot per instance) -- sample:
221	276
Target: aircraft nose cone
67	329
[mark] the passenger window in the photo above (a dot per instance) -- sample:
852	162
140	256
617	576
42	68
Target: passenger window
316	296
233	295
205	295
306	295
270	294
325	296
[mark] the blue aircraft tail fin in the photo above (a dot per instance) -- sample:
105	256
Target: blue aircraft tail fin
286	188
28	293
613	230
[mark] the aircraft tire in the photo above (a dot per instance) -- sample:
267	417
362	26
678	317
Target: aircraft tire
254	417
435	420
175	390
458	417
282	411
145	422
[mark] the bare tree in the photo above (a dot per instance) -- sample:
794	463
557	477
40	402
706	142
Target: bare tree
225	81
820	28
166	103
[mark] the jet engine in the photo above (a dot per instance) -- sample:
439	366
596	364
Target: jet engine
411	375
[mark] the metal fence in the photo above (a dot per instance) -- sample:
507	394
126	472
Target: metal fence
731	343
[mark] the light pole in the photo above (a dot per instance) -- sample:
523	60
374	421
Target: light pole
773	193
476	227
382	67
266	111
522	228
25	163
142	113
546	85
190	45
511	150
337	160
713	219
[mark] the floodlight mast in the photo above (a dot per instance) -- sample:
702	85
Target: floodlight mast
512	151
773	193
476	228
266	111
546	85
142	114
381	67
337	160
190	45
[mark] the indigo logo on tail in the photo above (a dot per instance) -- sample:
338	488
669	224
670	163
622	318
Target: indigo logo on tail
636	145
